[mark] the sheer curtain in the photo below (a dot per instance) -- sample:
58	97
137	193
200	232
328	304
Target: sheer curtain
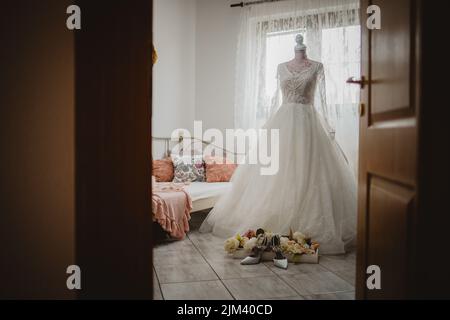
331	30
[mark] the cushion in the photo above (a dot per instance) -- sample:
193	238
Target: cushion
188	168
217	170
163	170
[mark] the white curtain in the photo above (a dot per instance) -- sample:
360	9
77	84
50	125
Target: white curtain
331	29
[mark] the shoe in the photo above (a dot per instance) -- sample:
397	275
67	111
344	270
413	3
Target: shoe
280	263
251	260
254	258
280	260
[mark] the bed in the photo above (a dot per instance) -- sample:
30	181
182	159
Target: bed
204	195
172	207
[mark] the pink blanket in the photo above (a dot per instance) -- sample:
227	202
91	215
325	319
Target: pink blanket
171	207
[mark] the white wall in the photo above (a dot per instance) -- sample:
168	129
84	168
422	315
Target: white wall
217	31
196	42
174	73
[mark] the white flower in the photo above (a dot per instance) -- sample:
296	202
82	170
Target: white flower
284	243
298	249
298	235
243	241
292	247
250	244
231	245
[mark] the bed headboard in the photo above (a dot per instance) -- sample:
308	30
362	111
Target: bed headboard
166	144
161	147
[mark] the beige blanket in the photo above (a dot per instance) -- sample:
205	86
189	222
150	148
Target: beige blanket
171	207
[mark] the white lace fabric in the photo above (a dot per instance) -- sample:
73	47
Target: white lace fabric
298	86
304	86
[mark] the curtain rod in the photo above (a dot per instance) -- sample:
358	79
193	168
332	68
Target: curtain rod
244	4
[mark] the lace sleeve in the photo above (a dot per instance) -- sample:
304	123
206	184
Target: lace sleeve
320	102
276	98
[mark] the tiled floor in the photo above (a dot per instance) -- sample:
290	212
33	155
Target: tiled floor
198	268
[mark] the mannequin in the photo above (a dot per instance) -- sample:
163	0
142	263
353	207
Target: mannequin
301	59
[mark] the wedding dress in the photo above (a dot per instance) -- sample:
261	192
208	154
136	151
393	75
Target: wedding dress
314	190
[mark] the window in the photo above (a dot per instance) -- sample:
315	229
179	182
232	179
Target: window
340	52
279	48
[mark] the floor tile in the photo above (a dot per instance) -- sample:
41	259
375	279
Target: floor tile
213	254
287	298
348	274
259	288
296	268
338	262
206	240
351	255
174	245
185	273
203	290
157	295
317	283
344	266
186	256
332	296
232	269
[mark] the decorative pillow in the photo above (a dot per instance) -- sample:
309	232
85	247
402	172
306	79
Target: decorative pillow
163	170
188	168
217	170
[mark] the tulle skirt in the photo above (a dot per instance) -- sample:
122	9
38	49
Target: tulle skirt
314	190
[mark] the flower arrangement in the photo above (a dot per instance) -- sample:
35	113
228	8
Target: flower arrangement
294	245
246	241
298	244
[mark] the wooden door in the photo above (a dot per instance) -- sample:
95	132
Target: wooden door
37	149
388	148
113	96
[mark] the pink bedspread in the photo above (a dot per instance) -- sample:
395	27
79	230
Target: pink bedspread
171	207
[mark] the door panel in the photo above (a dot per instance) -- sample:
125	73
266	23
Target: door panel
392	144
388	149
391	60
390	208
